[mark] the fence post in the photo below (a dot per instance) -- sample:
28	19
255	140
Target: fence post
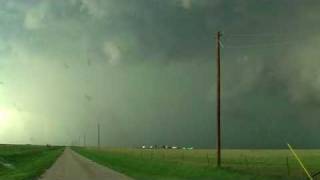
182	155
288	166
246	161
151	156
164	154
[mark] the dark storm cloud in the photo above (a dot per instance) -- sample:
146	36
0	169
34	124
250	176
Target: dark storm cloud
144	69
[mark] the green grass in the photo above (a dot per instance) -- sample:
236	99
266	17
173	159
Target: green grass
26	162
200	164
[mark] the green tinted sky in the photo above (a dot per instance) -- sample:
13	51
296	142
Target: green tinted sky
145	70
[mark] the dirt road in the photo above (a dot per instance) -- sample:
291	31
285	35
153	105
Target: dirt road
72	166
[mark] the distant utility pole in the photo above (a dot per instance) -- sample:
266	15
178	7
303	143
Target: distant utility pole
98	135
84	140
218	140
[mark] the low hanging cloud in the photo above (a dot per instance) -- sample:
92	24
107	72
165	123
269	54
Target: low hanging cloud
187	4
246	73
302	72
35	17
93	7
112	53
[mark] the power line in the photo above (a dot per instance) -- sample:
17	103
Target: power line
256	40
274	34
261	45
255	35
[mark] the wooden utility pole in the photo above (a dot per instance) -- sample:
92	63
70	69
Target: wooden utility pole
98	135
218	140
85	140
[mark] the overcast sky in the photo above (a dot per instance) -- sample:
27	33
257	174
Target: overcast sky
145	70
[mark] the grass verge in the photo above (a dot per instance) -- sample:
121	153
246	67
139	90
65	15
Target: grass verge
26	162
139	167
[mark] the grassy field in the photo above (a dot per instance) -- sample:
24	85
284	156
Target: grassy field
200	164
26	162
